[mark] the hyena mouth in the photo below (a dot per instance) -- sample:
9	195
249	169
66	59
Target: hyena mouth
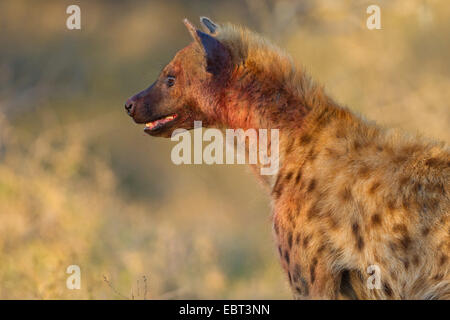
159	123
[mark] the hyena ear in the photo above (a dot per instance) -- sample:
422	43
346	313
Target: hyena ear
216	55
210	26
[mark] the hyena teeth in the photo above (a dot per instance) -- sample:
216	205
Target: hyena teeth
151	125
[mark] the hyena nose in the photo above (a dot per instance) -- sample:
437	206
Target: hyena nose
130	107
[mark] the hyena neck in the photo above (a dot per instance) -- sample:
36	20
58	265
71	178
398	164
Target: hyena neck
265	88
258	102
253	102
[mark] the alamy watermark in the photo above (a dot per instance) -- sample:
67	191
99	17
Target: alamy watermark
73	281
374	20
374	280
73	22
257	148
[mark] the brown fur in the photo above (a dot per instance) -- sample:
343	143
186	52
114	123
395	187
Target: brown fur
349	194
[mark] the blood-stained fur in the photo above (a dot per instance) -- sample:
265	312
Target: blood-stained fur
349	195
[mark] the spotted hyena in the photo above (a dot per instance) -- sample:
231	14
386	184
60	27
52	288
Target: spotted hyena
349	194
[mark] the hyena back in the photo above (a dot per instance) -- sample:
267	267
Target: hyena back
354	205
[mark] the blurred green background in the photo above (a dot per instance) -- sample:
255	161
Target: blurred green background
81	184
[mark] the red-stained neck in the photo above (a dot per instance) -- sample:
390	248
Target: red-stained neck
254	101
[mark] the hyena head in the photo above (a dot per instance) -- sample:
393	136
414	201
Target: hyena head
188	88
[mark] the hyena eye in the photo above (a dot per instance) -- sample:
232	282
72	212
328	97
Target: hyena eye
170	81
